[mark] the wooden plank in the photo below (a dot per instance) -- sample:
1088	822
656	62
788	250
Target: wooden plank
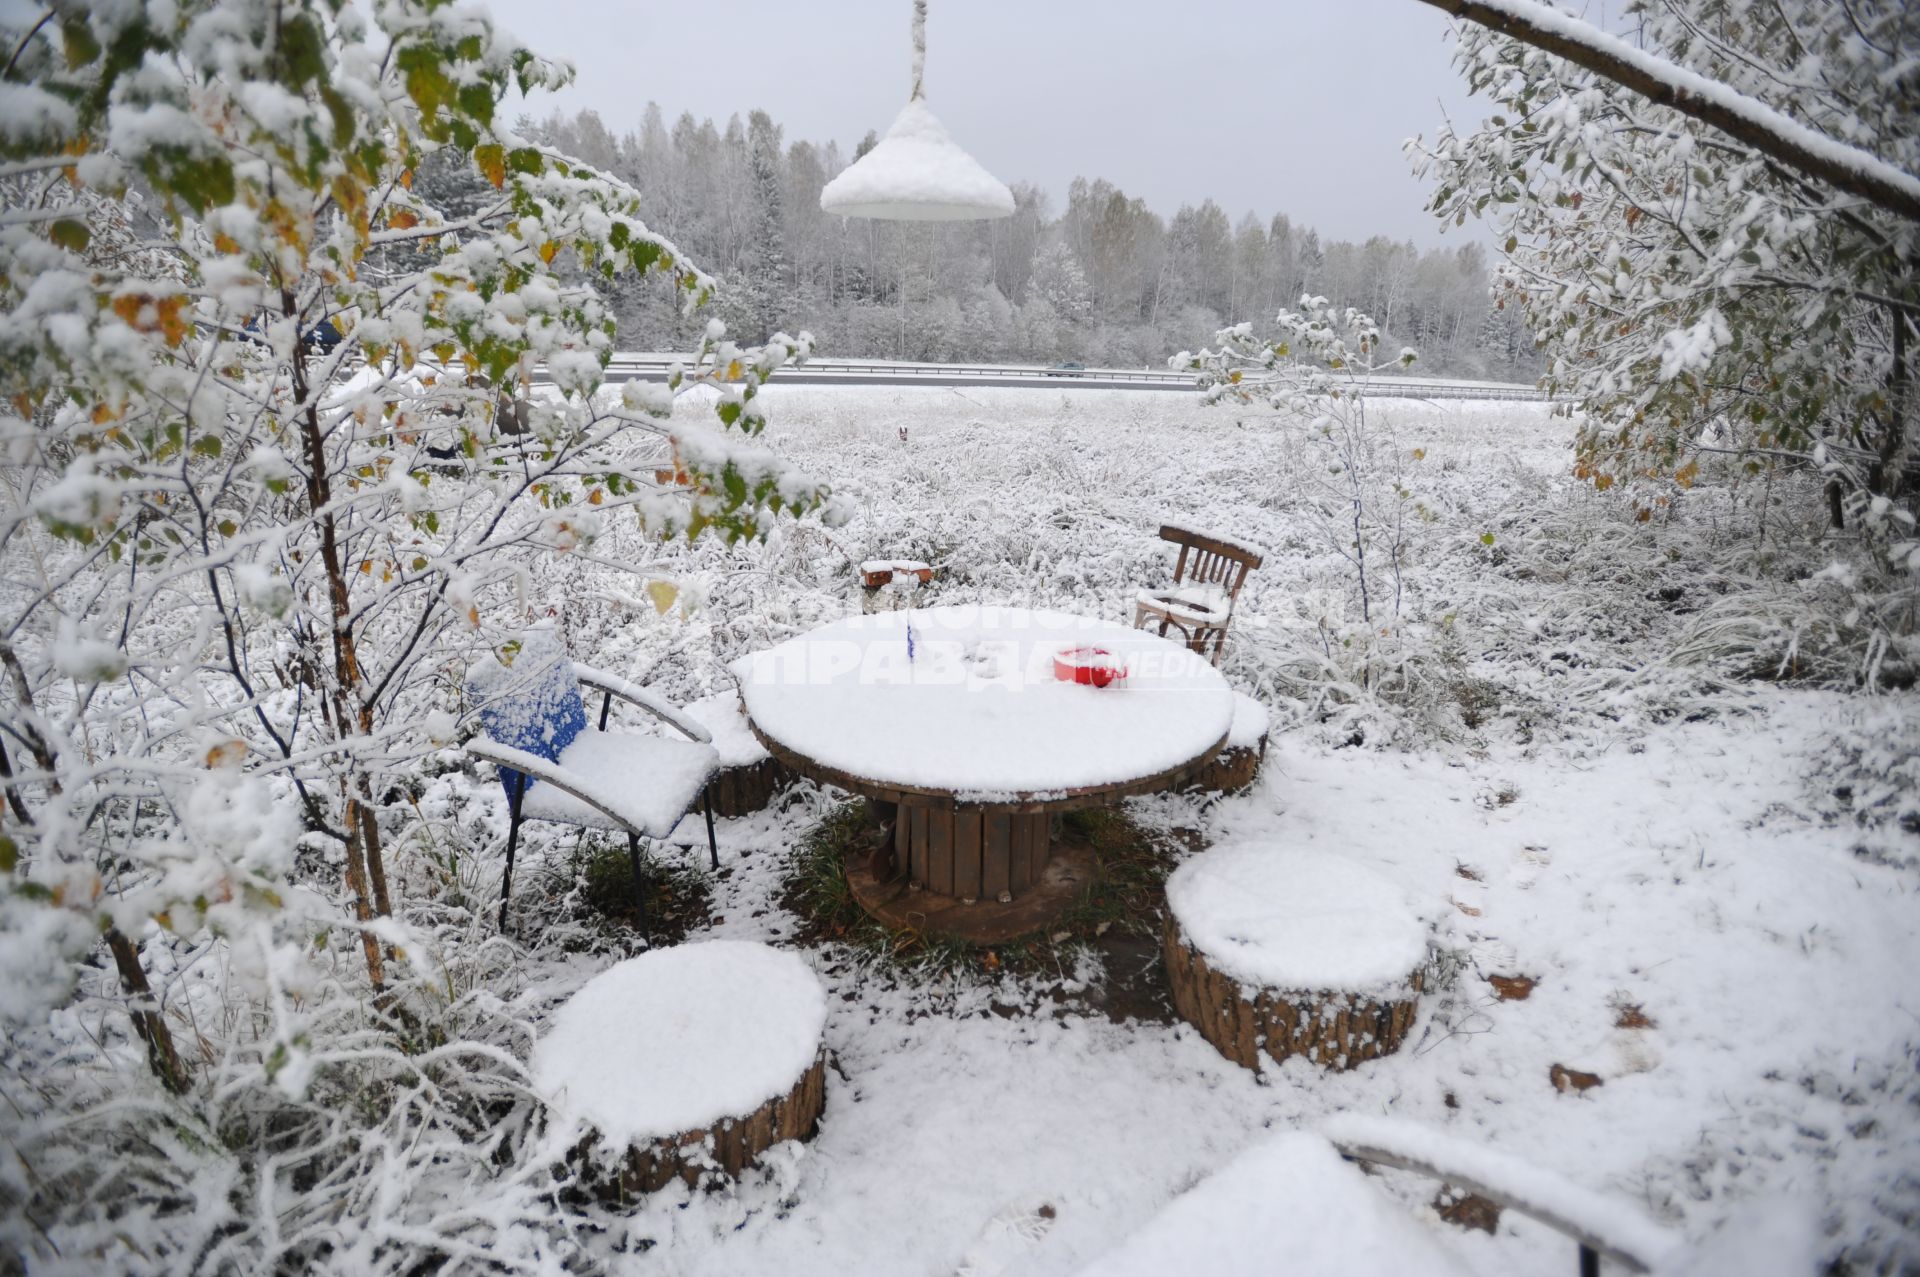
918	843
966	864
1020	840
997	844
1039	842
940	850
903	839
969	840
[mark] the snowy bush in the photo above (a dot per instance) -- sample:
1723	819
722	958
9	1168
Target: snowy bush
1702	301
272	474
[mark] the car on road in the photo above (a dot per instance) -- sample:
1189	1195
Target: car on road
1066	369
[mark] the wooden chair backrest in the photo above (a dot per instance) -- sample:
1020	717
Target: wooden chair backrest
1205	560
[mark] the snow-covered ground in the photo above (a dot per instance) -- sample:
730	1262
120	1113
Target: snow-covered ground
1640	837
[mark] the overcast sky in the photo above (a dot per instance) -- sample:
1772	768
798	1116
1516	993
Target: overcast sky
1283	106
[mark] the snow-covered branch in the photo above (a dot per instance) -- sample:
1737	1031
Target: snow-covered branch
1844	167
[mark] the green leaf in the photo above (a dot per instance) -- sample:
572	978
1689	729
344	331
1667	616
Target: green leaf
1486	538
70	234
207	446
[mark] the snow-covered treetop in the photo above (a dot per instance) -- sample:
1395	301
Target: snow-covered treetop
270	434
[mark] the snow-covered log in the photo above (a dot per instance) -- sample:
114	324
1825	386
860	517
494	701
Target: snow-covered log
687	1061
749	776
1292	953
1237	765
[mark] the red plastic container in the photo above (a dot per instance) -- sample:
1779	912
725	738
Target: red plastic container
1092	666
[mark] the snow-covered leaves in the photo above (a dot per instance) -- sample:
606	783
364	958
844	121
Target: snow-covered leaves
1679	278
1697	298
274	463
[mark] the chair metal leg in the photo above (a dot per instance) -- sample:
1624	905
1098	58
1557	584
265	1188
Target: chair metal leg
639	892
713	848
516	795
506	881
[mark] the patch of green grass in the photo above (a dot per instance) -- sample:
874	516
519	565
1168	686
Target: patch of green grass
818	893
594	888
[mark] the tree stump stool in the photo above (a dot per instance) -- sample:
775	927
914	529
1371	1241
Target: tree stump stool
1292	953
1237	764
685	1062
749	776
889	585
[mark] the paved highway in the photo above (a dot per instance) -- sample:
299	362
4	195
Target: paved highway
825	372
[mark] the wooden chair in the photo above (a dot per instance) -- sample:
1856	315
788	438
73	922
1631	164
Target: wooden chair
555	768
1206	581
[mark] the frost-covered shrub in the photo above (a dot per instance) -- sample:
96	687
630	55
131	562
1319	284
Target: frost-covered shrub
271	474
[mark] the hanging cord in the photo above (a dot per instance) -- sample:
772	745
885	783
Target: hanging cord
919	49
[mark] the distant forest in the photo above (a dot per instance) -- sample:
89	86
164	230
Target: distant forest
1107	281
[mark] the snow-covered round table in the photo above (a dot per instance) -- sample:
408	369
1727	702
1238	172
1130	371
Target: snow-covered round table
976	742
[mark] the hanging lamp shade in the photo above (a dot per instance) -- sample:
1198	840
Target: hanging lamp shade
917	173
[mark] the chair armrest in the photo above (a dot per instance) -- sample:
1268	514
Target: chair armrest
1616	1231
547	773
658	706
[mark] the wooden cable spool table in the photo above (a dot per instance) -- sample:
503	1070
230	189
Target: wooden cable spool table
969	745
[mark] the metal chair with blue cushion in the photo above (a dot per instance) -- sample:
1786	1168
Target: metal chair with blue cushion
554	767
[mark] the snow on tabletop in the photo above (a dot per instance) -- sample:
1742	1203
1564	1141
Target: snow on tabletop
917	173
1249	723
1296	920
722	716
677	1039
977	710
1289	1204
1614	1220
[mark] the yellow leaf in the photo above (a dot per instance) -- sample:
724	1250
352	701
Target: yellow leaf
227	753
492	161
402	219
663	593
548	250
1419	454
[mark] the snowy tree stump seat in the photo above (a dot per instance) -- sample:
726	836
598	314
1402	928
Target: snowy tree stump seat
887	585
749	776
1292	953
685	1062
1237	765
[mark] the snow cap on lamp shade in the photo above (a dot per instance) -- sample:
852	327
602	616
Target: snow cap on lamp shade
917	174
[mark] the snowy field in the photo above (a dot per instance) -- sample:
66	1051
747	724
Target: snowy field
1543	739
